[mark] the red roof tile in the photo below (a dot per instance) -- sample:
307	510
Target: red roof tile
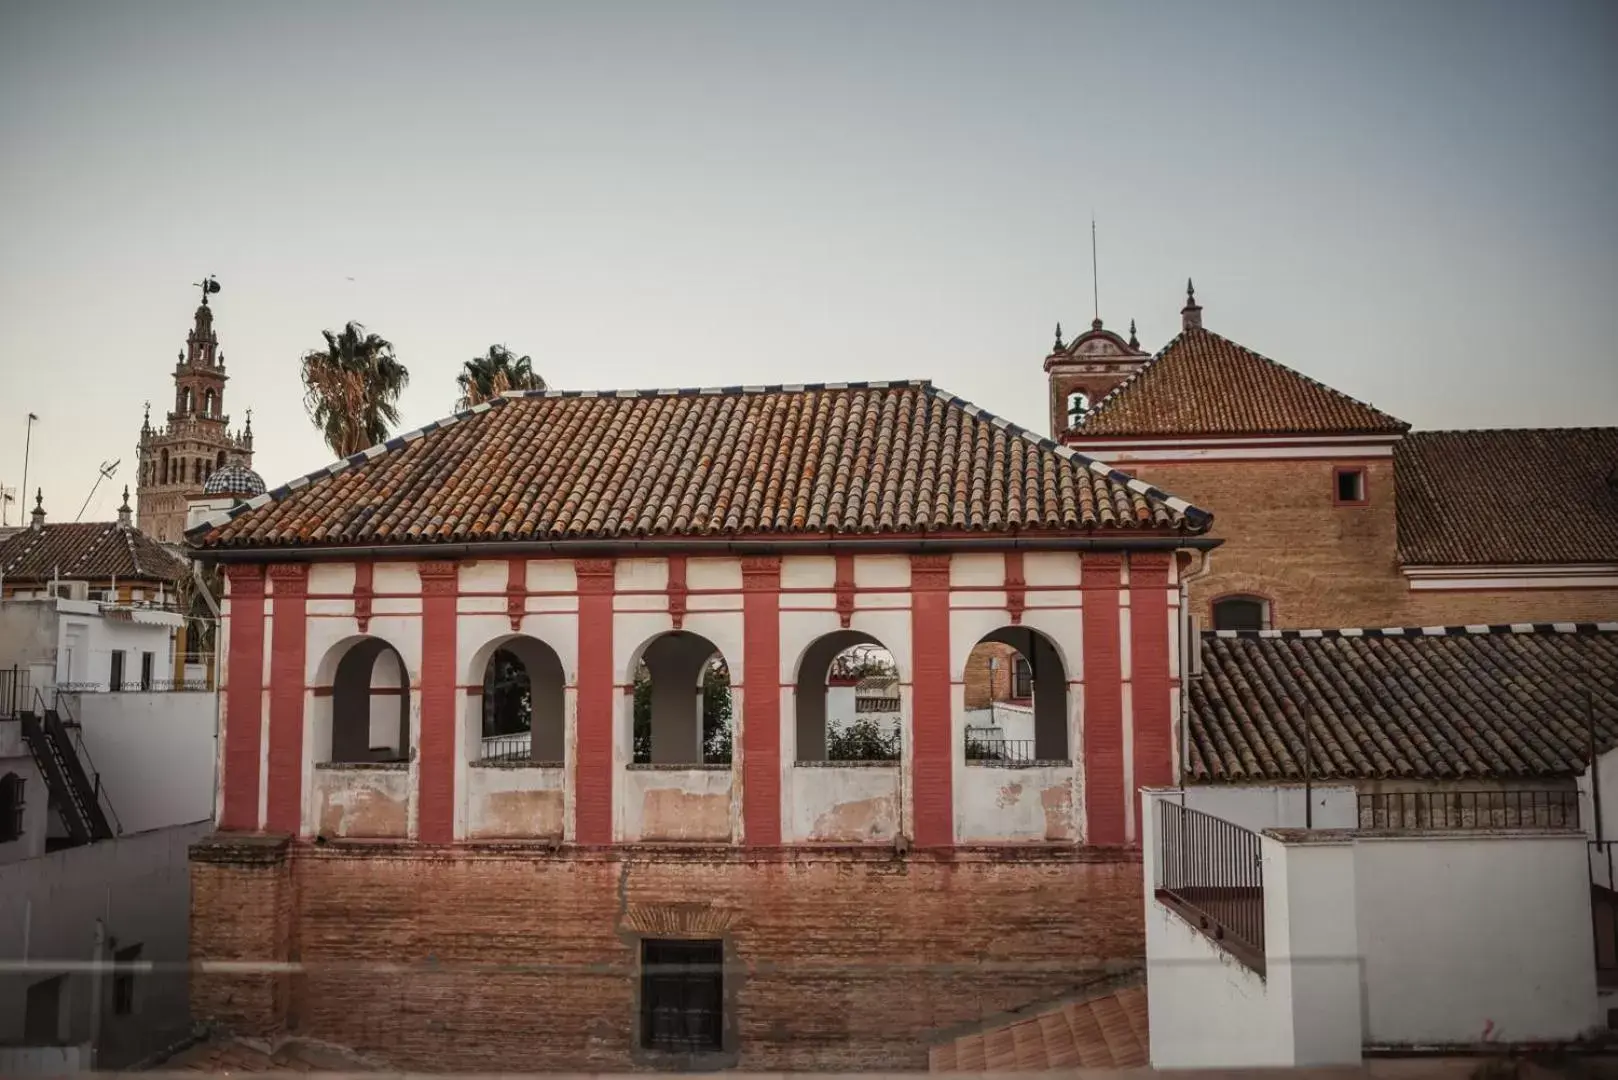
1204	384
94	550
1104	1032
878	458
1447	703
1531	495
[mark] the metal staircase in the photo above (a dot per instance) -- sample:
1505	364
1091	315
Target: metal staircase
76	793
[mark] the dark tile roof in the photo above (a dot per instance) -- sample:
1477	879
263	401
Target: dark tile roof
1437	703
1108	1031
1532	495
893	458
87	550
1204	384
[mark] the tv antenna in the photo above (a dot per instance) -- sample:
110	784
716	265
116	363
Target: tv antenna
105	473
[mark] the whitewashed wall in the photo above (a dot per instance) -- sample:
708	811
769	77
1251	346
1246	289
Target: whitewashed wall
15	758
1276	806
155	753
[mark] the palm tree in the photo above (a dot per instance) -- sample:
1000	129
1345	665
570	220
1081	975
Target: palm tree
351	388
491	375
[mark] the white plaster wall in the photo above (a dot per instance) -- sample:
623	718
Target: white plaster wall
1010	721
1605	826
522	802
843	803
994	803
139	887
1474	936
15	758
676	804
1276	806
385	675
1311	944
155	753
358	801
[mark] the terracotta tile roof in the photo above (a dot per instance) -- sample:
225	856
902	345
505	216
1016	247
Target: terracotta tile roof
87	550
876	458
1434	703
1532	495
1204	384
1103	1032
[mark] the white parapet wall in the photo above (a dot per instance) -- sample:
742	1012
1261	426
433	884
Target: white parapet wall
843	802
1278	806
678	802
1475	936
155	753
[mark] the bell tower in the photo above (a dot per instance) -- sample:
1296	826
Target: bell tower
1083	371
177	458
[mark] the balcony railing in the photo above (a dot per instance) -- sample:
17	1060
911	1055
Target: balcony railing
15	693
984	747
508	748
1212	873
1482	809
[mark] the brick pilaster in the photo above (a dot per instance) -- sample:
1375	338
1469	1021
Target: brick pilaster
288	634
592	758
1149	671
435	778
1104	795
244	698
761	701
932	750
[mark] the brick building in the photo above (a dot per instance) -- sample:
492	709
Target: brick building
654	903
1335	513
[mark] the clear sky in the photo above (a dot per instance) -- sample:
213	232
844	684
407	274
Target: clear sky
1413	202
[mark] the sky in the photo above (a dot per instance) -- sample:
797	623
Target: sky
1411	202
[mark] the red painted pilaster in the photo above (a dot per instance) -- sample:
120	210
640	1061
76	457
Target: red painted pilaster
845	590
1016	587
435	782
592	759
677	591
1149	671
1104	794
516	591
244	698
931	758
761	701
362	595
283	810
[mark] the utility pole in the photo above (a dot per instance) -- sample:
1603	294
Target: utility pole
27	445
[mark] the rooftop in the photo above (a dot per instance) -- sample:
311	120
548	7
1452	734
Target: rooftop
1104	1031
95	550
1425	703
1508	496
783	461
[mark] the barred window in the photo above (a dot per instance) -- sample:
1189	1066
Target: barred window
11	807
682	999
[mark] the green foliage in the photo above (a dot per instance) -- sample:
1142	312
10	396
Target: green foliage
717	741
351	388
863	740
507	696
492	374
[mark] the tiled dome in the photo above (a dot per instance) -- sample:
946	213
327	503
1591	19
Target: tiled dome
234	479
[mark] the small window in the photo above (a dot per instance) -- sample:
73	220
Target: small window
42	1012
682	996
116	680
1241	613
146	670
1350	485
123	980
1022	678
1078	404
11	807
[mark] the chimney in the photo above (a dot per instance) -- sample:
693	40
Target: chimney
36	520
124	513
1191	314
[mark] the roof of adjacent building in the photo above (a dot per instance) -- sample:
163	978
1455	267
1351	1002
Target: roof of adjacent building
1204	384
1108	1031
860	458
234	479
1531	495
1435	703
96	550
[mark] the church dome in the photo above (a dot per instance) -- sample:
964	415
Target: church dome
234	479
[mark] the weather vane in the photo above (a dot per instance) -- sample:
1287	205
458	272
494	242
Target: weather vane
209	284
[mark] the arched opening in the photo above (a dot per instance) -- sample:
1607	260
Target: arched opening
163	457
523	704
370	705
847	699
11	807
682	705
221	463
1016	700
185	400
1241	613
1078	404
208	404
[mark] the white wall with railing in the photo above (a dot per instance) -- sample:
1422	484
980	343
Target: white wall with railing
154	752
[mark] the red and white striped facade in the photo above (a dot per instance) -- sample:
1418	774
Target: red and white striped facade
1113	618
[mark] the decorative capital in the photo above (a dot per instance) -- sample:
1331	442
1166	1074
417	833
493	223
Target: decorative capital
929	571
438	577
761	566
289	579
245	579
595	575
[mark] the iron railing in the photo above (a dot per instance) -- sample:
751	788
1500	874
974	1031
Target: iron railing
64	725
1522	808
15	693
137	686
517	746
1212	872
984	748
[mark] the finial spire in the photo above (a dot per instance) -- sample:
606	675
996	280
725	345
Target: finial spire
36	519
123	510
1059	345
1191	314
1134	342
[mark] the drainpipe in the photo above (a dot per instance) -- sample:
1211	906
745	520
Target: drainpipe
1191	658
95	992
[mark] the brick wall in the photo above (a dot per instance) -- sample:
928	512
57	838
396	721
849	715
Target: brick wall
983	688
516	959
241	909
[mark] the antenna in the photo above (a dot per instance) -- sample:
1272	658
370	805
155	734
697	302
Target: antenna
1095	279
106	471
